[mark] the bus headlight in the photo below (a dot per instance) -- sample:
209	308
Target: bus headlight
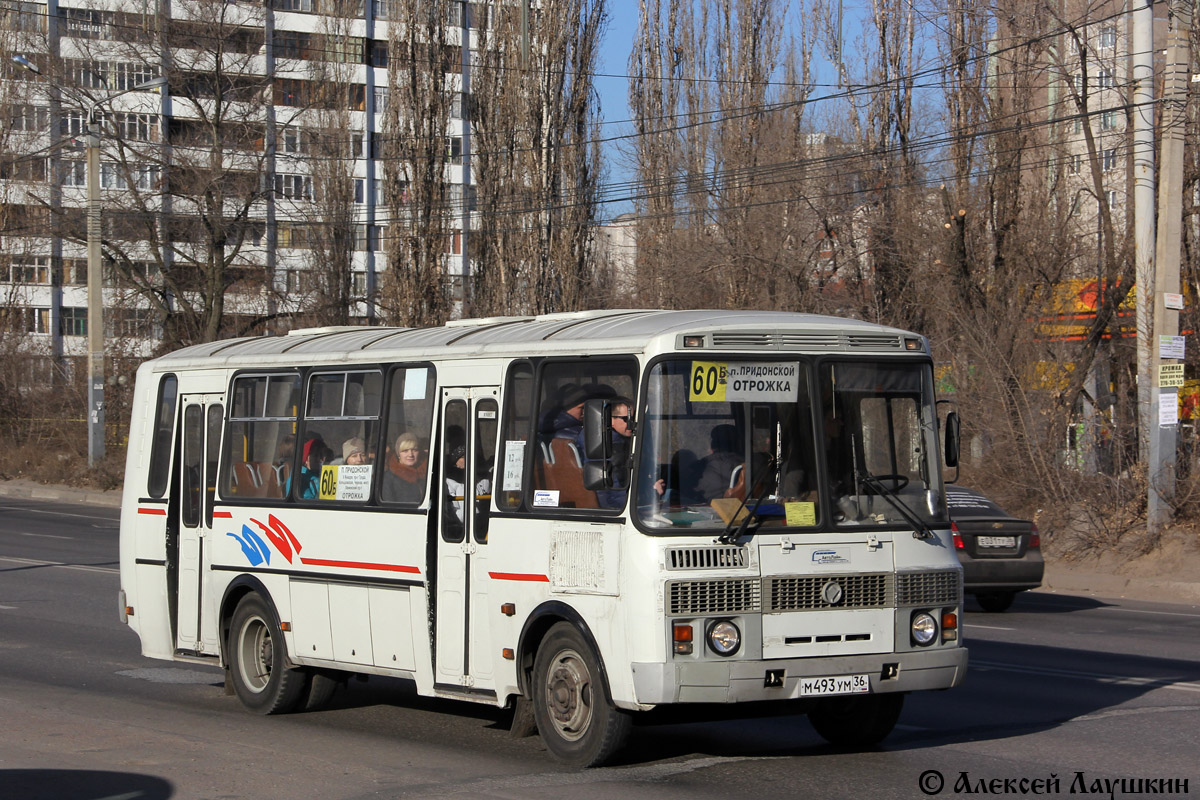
724	638
924	628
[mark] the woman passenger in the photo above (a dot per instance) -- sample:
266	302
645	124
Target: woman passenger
404	480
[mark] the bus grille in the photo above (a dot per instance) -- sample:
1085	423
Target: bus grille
714	597
805	593
943	587
706	557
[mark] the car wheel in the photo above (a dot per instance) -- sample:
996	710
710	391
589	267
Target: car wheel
856	721
574	715
257	656
995	602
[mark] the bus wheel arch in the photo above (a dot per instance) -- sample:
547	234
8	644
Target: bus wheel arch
568	687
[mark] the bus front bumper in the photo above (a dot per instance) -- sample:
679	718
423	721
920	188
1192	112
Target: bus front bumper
780	679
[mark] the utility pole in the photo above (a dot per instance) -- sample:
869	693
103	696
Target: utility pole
1141	47
1164	416
95	302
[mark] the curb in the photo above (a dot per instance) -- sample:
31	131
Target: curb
60	494
1098	584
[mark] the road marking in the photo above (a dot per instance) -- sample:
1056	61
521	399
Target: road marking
987	627
47	536
1143	611
56	513
9	608
1132	712
81	567
1053	607
1116	680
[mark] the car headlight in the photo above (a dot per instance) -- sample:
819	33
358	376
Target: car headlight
924	628
724	638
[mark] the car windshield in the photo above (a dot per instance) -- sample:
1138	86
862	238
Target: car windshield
843	449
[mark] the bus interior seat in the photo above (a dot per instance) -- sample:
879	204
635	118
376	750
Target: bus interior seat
564	472
247	479
737	483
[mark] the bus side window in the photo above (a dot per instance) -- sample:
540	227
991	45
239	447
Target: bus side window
515	455
164	423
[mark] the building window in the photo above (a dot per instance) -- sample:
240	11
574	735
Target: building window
25	17
73	321
138	127
74	173
1105	79
1074	163
1108	37
294	187
1109	159
30	119
1110	197
454	149
1108	120
358	282
83	23
34	269
293	5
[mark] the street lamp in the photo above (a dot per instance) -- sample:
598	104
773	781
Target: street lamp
95	277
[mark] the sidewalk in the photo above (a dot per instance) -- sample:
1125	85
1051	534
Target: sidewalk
60	494
1061	578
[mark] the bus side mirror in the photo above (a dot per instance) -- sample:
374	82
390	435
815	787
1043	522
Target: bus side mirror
953	438
597	430
597	475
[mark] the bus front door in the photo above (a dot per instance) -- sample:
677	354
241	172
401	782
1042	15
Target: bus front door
196	484
467	447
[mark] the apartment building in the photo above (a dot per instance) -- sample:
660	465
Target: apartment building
248	192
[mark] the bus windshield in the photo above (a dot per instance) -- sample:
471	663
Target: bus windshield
835	444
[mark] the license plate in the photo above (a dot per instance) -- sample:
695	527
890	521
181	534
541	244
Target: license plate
837	684
997	541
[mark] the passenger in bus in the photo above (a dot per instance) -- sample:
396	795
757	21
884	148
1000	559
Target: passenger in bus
564	420
718	465
354	452
456	473
404	479
620	412
314	456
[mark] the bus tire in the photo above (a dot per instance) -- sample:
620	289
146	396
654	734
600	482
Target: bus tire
854	721
257	655
575	716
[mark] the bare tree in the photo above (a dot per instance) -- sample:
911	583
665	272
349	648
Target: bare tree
538	161
417	149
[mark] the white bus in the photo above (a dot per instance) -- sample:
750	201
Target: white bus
579	516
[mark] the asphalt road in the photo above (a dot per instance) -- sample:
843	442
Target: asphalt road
1066	690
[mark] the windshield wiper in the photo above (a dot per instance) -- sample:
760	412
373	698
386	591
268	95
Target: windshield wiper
759	492
922	531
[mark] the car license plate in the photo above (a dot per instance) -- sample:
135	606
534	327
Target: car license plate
837	684
997	541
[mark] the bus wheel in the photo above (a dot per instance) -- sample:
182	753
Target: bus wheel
256	661
856	721
575	717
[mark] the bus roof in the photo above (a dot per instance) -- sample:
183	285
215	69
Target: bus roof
605	331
